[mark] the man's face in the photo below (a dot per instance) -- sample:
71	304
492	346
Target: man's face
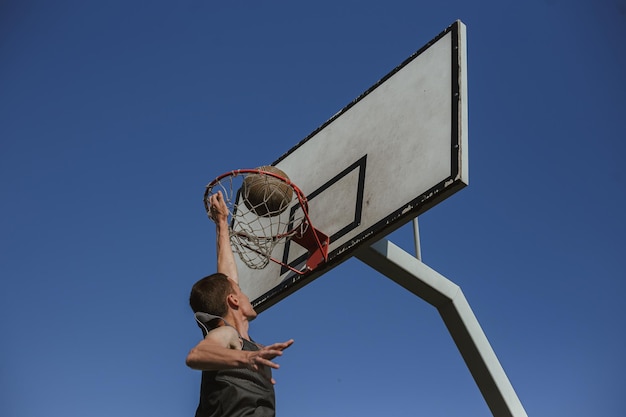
244	303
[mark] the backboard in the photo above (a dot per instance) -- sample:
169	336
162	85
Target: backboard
391	154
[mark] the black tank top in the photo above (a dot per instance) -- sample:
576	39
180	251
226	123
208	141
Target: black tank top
237	392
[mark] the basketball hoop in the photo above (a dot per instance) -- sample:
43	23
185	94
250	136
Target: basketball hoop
266	209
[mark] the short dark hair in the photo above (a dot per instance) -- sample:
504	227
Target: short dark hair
208	295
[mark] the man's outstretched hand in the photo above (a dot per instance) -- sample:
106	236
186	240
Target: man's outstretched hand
265	356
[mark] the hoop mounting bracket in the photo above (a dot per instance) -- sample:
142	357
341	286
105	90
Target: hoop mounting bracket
316	242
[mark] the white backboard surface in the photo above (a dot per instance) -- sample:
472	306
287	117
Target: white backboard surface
391	154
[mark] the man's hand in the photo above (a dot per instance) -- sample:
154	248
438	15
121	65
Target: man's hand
218	211
266	354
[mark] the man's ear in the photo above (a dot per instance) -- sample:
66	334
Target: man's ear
233	301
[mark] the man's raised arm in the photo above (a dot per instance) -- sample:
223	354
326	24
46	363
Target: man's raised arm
225	257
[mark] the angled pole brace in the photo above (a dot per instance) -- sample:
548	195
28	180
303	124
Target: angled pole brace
447	297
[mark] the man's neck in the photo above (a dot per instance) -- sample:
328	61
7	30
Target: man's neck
240	323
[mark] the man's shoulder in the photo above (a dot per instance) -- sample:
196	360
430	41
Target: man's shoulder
226	336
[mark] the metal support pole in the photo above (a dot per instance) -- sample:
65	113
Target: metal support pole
447	297
416	238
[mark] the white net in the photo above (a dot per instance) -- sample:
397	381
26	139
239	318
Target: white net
264	211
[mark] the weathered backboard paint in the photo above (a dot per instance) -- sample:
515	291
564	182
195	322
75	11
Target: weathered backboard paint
391	154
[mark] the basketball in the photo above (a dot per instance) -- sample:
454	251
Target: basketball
265	195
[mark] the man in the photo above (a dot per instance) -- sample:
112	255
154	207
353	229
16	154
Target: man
236	372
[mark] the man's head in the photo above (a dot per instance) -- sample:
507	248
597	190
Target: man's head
214	294
209	294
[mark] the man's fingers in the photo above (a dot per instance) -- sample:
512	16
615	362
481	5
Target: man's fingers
265	355
217	206
270	354
259	360
270	364
280	346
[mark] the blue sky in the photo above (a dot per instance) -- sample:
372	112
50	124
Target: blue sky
114	116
